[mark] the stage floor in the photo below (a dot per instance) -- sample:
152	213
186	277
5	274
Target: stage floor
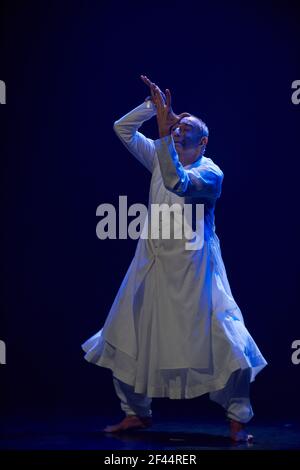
85	433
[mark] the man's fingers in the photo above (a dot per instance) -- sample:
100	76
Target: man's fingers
161	93
146	80
153	87
177	117
158	96
153	92
168	98
182	115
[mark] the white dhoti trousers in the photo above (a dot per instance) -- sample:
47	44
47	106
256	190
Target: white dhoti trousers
234	397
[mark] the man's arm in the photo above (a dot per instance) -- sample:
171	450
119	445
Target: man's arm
127	127
201	182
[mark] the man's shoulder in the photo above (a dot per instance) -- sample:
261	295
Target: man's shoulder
209	164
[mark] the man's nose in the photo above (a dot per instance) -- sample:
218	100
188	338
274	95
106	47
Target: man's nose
176	131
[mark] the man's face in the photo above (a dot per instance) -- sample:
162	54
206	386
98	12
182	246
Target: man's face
186	134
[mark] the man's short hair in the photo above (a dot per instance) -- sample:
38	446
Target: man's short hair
203	129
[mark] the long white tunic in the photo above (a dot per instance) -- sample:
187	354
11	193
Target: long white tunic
174	329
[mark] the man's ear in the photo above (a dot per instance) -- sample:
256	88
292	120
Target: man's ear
204	141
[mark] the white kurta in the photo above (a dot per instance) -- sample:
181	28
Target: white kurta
174	329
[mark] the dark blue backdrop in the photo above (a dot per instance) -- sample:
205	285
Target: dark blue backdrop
71	69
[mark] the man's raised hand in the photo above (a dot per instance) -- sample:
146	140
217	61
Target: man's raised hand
166	118
153	87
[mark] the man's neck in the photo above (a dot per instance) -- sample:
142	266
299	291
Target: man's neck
187	158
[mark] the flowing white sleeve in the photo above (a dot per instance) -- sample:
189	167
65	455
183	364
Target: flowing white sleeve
203	181
127	127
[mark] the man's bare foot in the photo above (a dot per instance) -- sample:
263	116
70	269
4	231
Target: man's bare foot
130	422
238	432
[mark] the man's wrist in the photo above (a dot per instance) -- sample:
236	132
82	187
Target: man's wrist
163	133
